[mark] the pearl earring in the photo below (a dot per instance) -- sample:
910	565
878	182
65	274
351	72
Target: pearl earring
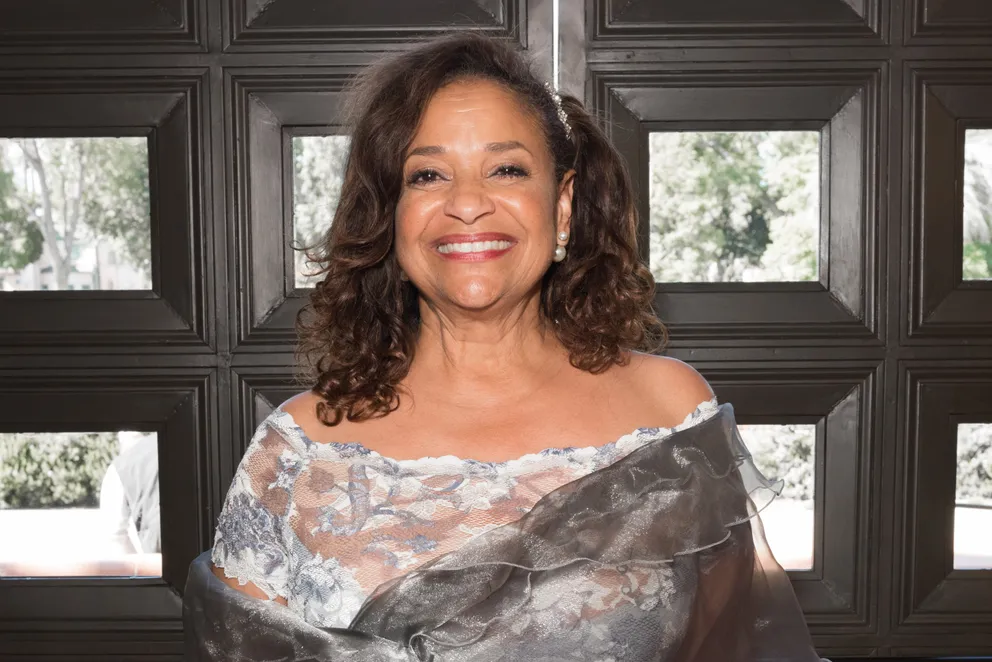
562	236
559	253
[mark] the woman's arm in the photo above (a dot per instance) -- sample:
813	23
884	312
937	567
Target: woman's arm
250	552
722	617
247	588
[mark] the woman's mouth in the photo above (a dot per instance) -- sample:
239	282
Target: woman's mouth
474	250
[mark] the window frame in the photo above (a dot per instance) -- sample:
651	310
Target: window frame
842	308
840	402
942	104
107	103
170	402
931	591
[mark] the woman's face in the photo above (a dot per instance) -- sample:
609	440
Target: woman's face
477	220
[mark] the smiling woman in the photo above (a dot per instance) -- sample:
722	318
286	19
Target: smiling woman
477	220
487	465
455	145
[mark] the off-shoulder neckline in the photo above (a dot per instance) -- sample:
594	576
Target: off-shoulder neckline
703	410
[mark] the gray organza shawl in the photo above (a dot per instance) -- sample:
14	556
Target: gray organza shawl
658	556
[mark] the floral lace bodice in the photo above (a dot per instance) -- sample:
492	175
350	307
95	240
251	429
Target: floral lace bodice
324	524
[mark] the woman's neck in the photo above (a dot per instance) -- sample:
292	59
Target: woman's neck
472	359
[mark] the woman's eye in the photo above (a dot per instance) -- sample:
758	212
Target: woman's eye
425	176
431	176
510	171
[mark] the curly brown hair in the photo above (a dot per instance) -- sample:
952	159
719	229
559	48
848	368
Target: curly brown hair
358	332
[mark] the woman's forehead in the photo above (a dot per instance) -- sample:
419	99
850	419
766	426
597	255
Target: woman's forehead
477	106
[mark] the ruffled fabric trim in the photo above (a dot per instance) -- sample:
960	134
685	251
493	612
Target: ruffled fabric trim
664	523
244	573
663	501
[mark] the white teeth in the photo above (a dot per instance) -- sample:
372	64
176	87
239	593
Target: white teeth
474	247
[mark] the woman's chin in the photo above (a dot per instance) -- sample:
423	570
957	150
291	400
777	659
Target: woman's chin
475	304
476	297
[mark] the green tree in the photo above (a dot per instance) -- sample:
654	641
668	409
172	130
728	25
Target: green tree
120	206
21	241
977	264
54	470
88	190
974	480
784	452
318	174
733	206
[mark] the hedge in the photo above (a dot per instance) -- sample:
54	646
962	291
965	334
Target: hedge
54	470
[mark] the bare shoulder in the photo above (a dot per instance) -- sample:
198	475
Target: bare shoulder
303	408
671	384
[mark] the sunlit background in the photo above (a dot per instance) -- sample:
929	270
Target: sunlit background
724	207
64	511
74	214
977	263
734	206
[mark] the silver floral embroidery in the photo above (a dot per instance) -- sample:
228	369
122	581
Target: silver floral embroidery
381	518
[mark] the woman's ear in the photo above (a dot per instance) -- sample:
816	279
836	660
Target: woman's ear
563	220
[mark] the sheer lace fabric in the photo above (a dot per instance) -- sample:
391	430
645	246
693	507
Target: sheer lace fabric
324	525
658	555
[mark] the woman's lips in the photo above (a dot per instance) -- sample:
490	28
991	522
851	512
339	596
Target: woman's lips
474	247
476	256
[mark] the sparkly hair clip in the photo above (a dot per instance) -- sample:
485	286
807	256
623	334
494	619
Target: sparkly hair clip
562	116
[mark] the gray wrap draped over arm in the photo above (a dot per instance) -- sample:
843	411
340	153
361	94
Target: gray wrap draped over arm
658	556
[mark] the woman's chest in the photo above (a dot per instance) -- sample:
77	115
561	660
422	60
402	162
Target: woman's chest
356	526
499	432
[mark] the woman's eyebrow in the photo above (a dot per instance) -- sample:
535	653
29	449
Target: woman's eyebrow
426	150
504	146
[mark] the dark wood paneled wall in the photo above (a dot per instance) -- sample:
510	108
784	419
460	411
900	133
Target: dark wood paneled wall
884	352
890	348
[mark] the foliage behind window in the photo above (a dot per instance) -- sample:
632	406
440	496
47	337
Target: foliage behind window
734	206
54	470
974	484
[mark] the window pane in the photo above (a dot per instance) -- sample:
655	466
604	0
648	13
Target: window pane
977	205
734	206
787	453
78	504
318	172
74	214
973	498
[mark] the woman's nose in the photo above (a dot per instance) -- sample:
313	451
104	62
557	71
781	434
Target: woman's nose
468	200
